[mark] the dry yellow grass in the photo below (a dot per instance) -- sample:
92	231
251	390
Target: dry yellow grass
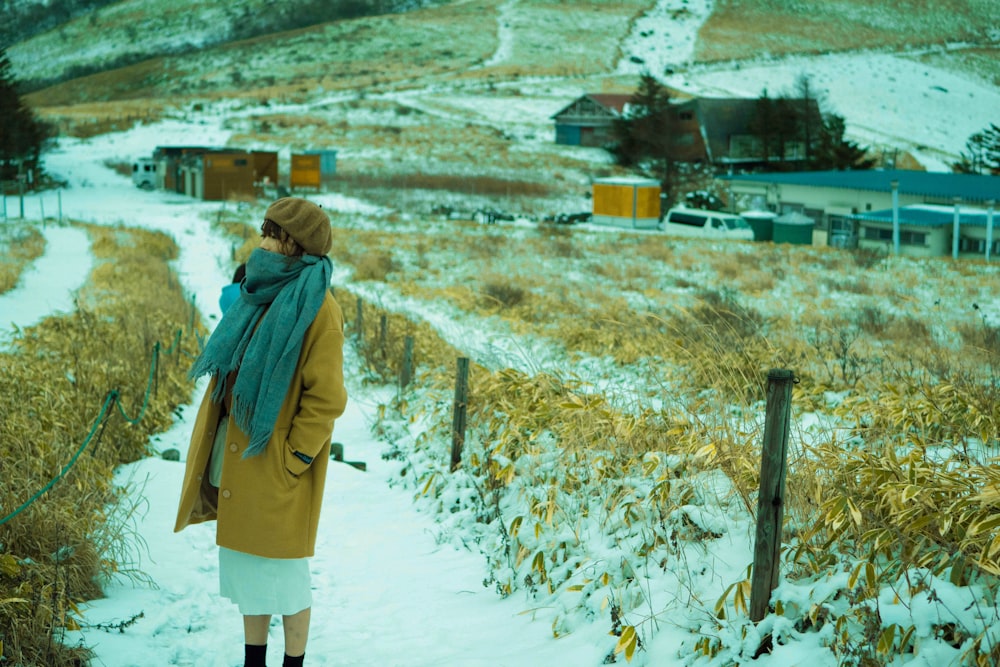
704	352
345	55
56	552
20	245
738	29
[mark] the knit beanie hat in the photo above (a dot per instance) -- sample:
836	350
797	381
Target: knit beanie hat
305	222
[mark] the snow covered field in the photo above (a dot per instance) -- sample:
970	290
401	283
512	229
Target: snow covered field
385	592
389	592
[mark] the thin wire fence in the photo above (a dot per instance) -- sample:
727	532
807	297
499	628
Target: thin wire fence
111	400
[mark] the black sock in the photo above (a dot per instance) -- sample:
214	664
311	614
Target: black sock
255	655
293	662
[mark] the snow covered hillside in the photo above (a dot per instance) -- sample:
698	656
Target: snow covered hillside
511	64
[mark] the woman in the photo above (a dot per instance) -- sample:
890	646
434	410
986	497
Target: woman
261	441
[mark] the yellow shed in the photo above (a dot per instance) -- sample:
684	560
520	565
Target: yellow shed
305	171
627	202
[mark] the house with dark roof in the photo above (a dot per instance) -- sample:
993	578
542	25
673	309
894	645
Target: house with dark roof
718	131
711	130
830	198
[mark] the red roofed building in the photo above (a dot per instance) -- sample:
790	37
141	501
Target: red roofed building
587	120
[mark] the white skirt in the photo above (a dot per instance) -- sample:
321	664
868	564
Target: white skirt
264	586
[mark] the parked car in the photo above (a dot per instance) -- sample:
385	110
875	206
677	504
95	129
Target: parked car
700	223
144	174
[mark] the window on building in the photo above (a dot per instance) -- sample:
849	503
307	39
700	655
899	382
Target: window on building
795	150
743	146
878	234
686	115
966	244
839	223
906	237
240	162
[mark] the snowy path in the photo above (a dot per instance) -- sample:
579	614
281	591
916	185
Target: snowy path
663	38
48	285
505	37
385	593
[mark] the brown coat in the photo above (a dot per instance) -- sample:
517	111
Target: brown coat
268	505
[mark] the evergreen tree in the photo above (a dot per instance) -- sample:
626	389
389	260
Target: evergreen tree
982	153
645	136
833	151
763	124
785	130
22	135
808	119
786	122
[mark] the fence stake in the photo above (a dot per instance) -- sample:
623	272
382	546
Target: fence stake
358	322
771	500
383	325
406	372
458	411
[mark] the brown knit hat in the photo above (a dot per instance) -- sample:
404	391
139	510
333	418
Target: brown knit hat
305	222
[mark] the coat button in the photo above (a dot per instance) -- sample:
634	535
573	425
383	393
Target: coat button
226	494
233	447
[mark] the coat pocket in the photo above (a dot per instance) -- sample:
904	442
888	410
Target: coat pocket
290	464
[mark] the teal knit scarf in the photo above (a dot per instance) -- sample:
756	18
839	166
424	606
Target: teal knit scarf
287	292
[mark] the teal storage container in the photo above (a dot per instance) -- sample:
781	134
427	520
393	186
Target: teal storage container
793	228
762	224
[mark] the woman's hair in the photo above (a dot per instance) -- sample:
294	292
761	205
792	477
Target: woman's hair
271	229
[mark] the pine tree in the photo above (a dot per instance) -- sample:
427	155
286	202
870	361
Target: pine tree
22	135
982	153
785	130
645	136
833	151
808	119
792	122
763	124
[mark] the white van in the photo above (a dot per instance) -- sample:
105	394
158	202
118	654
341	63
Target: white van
144	173
698	223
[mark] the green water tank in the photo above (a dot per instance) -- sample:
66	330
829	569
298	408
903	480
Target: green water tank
794	228
761	222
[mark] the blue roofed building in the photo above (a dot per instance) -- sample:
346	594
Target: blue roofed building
927	230
833	198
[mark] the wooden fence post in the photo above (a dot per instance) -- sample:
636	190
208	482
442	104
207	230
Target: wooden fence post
358	323
458	412
406	372
771	500
383	333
